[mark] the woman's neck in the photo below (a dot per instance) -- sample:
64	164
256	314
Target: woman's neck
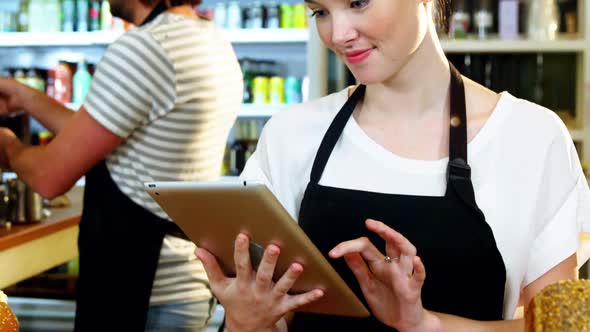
419	88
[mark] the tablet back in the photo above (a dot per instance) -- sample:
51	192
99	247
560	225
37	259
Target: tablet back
212	214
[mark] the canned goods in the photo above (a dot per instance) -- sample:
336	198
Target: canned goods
299	16
292	90
287	16
277	90
260	90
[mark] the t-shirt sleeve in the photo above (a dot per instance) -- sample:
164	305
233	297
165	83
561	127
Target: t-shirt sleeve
257	167
134	83
560	215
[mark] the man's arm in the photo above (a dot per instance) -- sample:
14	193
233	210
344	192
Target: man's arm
48	111
53	169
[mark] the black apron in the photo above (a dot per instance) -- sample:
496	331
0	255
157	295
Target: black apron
119	246
465	272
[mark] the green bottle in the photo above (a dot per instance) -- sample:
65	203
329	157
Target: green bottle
81	83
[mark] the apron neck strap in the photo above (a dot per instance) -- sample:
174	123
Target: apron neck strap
159	9
458	166
333	134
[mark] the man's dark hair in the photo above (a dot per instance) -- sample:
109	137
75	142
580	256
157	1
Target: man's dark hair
172	3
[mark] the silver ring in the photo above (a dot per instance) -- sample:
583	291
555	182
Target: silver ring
389	259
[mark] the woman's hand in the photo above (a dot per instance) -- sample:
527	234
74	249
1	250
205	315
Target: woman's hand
252	301
391	283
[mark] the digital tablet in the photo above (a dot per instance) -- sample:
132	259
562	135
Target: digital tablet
212	214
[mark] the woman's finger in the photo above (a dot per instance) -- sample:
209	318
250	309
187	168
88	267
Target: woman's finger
361	246
360	269
216	277
390	235
287	280
266	268
242	260
419	273
294	302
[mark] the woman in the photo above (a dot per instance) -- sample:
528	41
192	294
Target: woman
396	150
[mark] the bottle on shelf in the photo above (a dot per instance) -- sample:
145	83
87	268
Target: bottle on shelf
543	20
220	15
484	20
23	16
234	15
460	22
273	16
94	15
237	151
508	18
68	9
34	80
81	83
52	16
251	140
20	76
256	16
50	83
106	18
82	11
63	83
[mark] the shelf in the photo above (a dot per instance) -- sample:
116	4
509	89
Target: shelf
578	135
247	111
241	36
27	39
260	110
564	44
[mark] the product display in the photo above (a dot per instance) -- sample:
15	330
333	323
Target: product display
563	306
260	15
265	84
60	16
8	321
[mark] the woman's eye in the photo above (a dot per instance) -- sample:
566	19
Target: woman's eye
359	4
318	13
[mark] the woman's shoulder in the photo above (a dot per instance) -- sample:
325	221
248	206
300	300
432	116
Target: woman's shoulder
529	118
510	117
309	117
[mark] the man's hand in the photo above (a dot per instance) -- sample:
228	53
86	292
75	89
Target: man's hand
6	136
11	95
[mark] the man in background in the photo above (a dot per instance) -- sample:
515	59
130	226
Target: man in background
161	105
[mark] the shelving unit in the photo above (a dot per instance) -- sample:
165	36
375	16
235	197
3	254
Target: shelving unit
249	111
564	44
104	38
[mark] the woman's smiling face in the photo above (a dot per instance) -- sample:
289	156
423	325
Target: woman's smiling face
374	38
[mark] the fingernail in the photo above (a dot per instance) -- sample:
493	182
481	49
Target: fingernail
319	293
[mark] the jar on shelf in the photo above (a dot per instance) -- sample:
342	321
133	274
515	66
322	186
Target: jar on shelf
542	20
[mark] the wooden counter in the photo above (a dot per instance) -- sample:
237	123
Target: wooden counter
30	249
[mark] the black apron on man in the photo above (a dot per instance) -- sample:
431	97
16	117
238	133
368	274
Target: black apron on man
119	245
466	275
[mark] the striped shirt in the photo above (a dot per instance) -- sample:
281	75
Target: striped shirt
172	90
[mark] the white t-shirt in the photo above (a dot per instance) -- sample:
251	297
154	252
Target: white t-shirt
525	172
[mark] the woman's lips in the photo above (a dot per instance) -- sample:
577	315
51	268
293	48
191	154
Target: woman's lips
355	57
